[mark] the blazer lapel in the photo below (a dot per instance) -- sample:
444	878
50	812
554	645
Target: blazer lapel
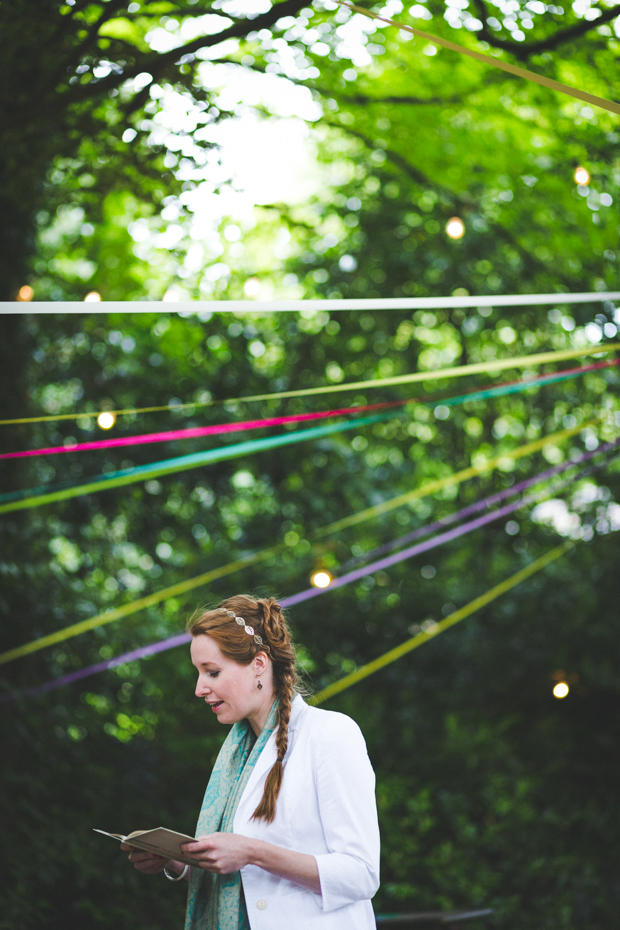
270	753
264	762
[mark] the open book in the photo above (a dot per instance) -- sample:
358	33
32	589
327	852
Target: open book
163	842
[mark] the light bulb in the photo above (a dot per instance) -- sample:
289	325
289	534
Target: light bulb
455	227
582	176
561	690
93	297
106	420
251	287
25	293
321	579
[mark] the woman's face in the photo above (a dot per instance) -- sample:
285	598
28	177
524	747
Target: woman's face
230	689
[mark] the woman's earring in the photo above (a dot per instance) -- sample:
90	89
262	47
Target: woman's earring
259	683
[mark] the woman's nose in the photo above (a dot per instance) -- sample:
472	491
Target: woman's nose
202	688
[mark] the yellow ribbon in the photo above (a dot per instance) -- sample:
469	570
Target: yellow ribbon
198	581
501	364
494	62
426	635
440	483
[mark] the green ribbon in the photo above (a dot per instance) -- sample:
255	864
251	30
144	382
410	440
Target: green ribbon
183	463
36	497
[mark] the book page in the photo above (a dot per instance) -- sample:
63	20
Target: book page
162	842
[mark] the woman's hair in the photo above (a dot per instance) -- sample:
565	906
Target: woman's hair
266	617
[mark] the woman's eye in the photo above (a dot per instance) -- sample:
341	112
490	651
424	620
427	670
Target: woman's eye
213	674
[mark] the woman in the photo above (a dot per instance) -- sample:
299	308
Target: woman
287	836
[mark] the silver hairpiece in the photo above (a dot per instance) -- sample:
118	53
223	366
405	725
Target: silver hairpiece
248	629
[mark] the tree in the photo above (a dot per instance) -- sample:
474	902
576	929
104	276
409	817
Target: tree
491	791
82	77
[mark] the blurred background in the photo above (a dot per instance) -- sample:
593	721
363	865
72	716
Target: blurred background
224	150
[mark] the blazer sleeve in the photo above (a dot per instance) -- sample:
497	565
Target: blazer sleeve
345	785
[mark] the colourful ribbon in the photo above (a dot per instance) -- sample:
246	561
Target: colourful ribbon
508	387
420	548
524	361
182	638
50	493
44	495
191	583
439	484
197	431
490	501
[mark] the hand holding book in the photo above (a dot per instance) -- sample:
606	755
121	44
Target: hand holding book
152	851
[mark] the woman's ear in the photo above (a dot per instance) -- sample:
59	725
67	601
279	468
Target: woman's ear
260	663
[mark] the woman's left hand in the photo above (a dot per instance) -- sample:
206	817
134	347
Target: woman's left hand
220	853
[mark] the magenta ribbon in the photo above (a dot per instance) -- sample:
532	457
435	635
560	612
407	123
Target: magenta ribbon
196	431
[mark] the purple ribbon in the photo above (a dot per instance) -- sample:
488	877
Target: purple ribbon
479	505
178	640
140	653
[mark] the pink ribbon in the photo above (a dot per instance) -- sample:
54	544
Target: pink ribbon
197	431
261	424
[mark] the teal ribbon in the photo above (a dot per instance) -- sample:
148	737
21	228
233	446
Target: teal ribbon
216	902
35	497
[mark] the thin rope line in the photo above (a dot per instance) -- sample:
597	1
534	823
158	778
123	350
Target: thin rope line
344	304
524	361
549	83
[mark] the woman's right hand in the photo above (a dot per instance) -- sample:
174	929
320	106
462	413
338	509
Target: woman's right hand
146	862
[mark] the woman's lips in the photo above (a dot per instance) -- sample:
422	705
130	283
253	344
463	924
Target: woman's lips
215	707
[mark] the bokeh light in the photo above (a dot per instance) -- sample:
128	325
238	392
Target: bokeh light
455	227
321	579
106	420
93	297
25	293
251	287
561	690
582	175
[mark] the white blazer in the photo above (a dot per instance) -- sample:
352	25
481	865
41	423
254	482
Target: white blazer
326	808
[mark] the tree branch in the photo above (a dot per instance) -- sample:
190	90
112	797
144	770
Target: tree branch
523	50
157	63
80	50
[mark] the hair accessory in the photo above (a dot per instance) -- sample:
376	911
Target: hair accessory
178	878
249	630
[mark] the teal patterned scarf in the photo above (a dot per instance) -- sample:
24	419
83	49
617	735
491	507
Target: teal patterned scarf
215	902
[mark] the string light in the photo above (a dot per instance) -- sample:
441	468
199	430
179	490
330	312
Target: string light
25	293
455	227
93	297
582	176
106	420
561	690
251	287
321	579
